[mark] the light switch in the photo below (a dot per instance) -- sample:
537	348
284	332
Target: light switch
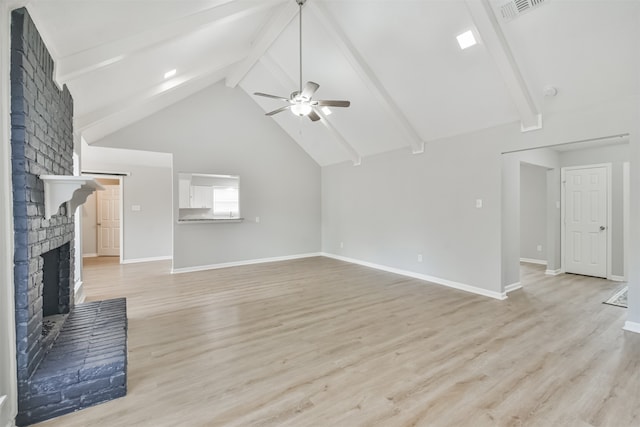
257	219
135	208
478	203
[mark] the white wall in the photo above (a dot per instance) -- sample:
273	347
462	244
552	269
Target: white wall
223	131
8	392
147	232
533	212
397	205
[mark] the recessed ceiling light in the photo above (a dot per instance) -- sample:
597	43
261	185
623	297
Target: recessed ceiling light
326	110
170	73
466	39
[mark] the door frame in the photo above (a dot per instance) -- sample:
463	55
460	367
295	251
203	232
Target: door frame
563	200
122	222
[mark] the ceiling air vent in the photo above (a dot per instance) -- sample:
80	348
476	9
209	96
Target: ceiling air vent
514	8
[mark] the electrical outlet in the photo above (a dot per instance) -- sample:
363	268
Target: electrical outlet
257	219
478	203
135	208
539	248
341	245
419	257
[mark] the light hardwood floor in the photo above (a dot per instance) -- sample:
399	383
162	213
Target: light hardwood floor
319	342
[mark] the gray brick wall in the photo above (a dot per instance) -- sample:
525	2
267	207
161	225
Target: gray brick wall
41	143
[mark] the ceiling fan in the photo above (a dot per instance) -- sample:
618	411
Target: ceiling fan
300	102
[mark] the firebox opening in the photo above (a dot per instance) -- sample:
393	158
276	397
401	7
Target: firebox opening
55	281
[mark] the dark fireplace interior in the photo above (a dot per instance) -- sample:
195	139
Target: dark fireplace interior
55	289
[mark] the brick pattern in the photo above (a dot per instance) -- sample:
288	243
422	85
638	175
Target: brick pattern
87	364
41	143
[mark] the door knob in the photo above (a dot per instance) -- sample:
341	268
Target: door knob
602	227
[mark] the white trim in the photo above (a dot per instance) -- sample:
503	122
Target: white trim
512	287
631	327
563	170
4	399
534	261
436	280
553	272
535	126
89	255
78	291
150	259
626	197
242	263
617	278
8	369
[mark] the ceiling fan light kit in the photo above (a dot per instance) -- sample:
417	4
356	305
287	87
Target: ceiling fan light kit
300	102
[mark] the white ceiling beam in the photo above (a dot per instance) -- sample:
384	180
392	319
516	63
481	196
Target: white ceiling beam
286	81
269	35
76	65
496	43
368	76
103	121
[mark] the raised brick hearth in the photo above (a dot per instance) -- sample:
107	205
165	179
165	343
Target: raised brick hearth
86	365
68	357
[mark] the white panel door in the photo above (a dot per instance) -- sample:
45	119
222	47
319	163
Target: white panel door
586	203
109	221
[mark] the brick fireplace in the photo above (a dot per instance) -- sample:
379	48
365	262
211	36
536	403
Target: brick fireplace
68	357
41	143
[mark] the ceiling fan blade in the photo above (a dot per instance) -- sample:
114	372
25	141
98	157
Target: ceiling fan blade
308	90
329	103
279	110
314	116
266	95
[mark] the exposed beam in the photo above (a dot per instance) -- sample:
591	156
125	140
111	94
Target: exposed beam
286	81
225	11
368	76
494	40
266	38
108	119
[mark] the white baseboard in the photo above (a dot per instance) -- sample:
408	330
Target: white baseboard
513	287
632	327
553	272
534	261
89	255
78	291
451	284
138	260
617	278
241	263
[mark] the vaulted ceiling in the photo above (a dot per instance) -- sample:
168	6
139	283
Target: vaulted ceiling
397	61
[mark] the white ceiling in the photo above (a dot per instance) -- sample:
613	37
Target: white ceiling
397	61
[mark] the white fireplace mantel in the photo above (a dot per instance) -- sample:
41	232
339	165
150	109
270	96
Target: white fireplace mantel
66	188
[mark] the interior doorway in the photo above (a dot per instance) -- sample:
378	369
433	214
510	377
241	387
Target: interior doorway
102	220
612	150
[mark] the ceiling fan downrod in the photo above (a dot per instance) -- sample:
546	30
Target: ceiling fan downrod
300	4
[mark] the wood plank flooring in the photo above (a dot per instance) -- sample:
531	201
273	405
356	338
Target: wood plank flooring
319	342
